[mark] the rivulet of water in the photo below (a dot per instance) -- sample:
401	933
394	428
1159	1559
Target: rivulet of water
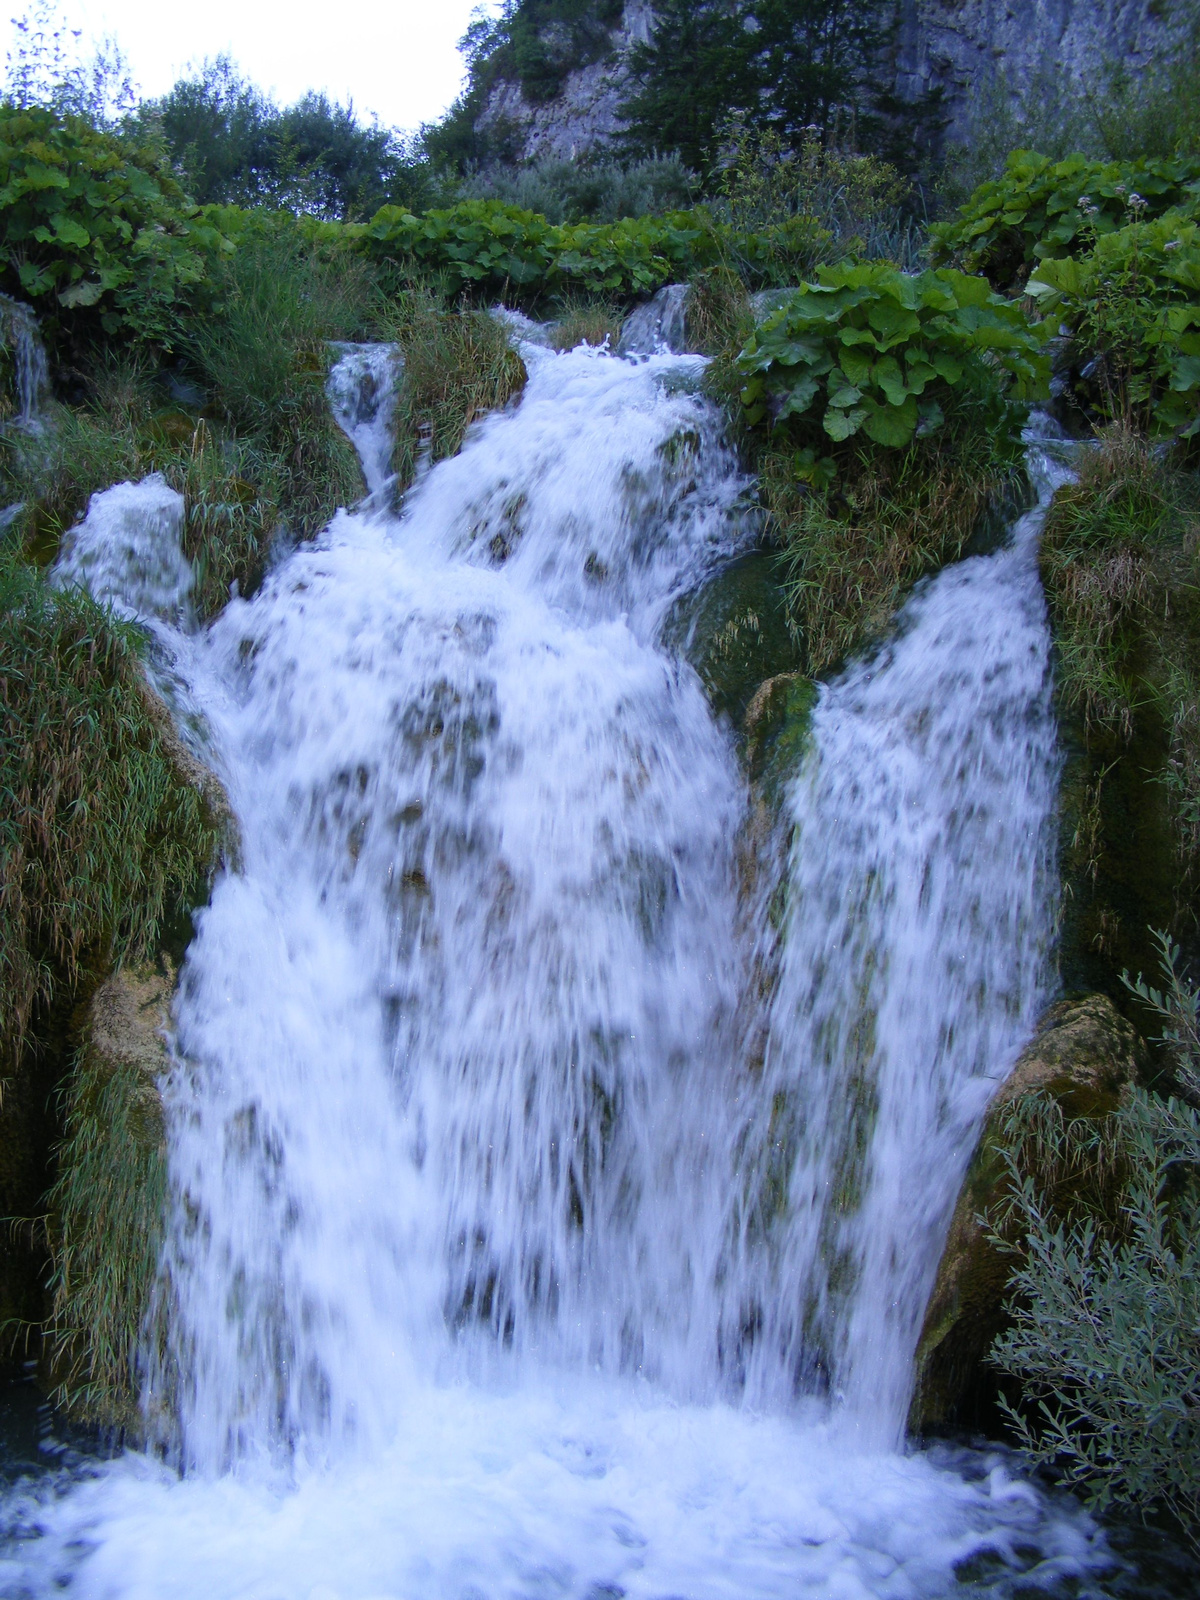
31	372
497	1265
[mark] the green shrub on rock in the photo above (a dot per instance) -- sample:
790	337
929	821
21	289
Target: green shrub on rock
1036	209
96	228
100	833
870	349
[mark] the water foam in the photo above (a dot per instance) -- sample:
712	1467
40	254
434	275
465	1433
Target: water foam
466	1283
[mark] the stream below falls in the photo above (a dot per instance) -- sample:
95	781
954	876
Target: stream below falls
560	1161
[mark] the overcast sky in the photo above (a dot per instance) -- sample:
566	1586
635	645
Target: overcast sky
396	58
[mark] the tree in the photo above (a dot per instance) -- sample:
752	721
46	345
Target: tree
787	65
233	144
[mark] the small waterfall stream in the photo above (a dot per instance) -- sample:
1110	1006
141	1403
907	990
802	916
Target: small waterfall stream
485	1275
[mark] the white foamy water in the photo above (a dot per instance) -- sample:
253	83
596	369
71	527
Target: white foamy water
471	1283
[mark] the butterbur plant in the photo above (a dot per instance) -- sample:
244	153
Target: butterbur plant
1132	305
870	350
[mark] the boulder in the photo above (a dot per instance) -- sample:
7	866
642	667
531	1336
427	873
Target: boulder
1082	1055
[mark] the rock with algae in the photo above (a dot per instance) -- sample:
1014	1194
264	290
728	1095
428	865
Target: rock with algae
1083	1054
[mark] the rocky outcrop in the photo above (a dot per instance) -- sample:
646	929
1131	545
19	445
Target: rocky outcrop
583	118
1082	1056
949	49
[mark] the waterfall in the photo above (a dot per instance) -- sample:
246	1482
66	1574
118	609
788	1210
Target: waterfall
30	371
499	1264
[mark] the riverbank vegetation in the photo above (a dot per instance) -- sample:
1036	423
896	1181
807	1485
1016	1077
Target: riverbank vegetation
190	265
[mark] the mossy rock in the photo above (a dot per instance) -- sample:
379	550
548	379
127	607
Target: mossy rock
1082	1056
734	631
778	728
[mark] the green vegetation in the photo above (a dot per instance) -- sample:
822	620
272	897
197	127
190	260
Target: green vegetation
884	411
1105	1297
233	145
96	229
106	1209
100	837
1039	209
1132	305
457	366
868	348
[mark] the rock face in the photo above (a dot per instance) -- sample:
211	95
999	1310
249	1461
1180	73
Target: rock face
951	47
583	118
956	46
1083	1054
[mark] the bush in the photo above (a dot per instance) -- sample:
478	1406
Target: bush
1035	210
587	191
874	350
99	837
1132	305
263	355
97	231
1105	1298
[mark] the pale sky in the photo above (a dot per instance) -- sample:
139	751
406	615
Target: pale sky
393	57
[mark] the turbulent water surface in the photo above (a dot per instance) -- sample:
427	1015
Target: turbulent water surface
549	1219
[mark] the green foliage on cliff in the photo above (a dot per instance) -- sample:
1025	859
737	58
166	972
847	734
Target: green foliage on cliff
1040	209
96	229
99	836
1105	1298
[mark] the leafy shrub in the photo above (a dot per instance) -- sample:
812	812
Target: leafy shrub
874	350
1035	210
96	227
1105	1299
1133	307
99	837
263	355
493	248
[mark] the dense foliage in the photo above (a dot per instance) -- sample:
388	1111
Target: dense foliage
1041	208
869	348
787	64
96	228
1132	304
232	143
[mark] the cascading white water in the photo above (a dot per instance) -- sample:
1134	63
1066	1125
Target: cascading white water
30	370
915	962
472	1268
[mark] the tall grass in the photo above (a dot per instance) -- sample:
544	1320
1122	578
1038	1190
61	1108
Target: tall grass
458	365
106	1207
99	835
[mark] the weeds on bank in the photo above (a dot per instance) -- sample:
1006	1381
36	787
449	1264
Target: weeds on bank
99	838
